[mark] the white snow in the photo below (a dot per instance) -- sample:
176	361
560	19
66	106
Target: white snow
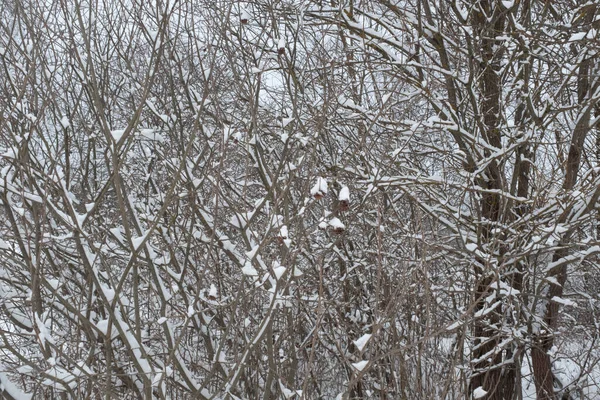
10	153
117	233
361	342
54	283
564	302
117	134
283	232
471	246
102	326
44	334
344	194
249	270
252	253
11	389
335	223
213	291
577	36
151	135
137	241
479	393
244	16
279	271
591	34
287	393
360	365
454	326
65	122
463	13
320	187
108	292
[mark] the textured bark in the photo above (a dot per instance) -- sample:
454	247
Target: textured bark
542	363
488	359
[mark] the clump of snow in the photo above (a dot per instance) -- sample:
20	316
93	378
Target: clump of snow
44	334
137	241
244	17
471	246
252	253
54	283
102	326
577	36
319	190
284	236
65	122
344	194
11	389
564	302
283	232
479	393
359	366
108	292
344	199
344	101
279	271
212	293
361	342
249	270
281	46
10	153
117	134
454	326
336	224
151	135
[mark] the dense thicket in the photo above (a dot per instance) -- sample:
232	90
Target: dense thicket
313	200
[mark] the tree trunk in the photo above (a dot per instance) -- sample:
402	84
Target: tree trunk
543	342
